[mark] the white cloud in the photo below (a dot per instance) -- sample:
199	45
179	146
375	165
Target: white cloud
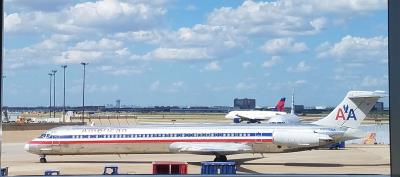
123	70
171	88
300	82
36	54
214	35
154	86
215	41
318	23
60	49
177	54
288	17
123	52
175	87
101	88
217	88
283	45
99	16
212	66
191	8
11	22
152	37
286	85
369	81
357	49
102	44
245	86
272	62
246	64
92	88
342	6
77	56
300	67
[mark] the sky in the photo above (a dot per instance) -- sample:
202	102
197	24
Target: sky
194	53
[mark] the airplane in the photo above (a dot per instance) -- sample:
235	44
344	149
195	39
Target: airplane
291	118
219	140
255	116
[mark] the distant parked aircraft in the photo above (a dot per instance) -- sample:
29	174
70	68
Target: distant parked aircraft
255	116
291	118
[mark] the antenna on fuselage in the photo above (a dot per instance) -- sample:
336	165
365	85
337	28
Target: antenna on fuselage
292	111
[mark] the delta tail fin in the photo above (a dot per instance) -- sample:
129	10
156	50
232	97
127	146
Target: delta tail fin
352	110
280	106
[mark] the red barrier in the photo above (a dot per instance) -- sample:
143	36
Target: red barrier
170	168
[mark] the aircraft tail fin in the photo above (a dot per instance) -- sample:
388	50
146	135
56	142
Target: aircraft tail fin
352	110
280	106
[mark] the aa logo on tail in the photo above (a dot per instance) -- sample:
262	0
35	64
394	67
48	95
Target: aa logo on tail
345	113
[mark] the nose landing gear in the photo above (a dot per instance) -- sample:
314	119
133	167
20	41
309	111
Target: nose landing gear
43	159
220	158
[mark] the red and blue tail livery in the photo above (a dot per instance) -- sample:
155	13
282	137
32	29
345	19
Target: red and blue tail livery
280	106
345	113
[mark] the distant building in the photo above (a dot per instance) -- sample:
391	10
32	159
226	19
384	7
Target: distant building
378	106
244	103
298	109
118	103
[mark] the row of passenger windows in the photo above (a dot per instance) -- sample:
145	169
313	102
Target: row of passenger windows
155	135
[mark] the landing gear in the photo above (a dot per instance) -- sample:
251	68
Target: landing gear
220	158
43	159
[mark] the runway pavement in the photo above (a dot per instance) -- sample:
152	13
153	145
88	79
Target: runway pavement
355	159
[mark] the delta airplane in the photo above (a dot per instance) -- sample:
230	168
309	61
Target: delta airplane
255	116
219	140
291	118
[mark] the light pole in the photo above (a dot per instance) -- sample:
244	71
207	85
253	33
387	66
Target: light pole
83	91
50	74
64	66
54	92
2	100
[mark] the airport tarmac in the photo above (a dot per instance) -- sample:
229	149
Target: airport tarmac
355	159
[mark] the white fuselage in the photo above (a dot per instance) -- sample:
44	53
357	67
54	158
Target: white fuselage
260	115
140	139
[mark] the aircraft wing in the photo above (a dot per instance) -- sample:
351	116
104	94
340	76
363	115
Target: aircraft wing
209	148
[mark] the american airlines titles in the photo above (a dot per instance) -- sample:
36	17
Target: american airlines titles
104	130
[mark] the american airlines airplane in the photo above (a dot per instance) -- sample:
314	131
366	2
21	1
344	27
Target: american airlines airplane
219	140
255	116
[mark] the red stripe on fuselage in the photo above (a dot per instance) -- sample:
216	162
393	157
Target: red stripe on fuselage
149	141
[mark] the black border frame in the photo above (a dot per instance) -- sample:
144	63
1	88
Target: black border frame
394	84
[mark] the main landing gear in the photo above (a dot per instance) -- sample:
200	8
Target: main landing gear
43	159
220	158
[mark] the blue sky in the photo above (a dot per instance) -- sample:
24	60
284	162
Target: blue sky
191	53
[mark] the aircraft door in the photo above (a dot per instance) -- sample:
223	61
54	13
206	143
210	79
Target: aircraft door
55	143
258	145
258	138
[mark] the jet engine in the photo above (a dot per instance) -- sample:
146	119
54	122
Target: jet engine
300	139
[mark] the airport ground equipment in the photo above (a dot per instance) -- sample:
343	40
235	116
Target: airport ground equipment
51	172
4	171
113	169
170	168
338	145
223	168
